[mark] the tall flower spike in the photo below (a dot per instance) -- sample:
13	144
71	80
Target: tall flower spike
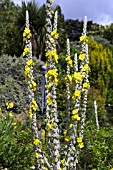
74	119
78	76
48	63
51	104
85	90
55	129
31	87
68	82
69	64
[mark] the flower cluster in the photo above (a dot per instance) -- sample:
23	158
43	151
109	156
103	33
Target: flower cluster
37	142
69	77
78	77
10	105
33	85
67	138
85	68
49	100
33	107
83	38
27	33
86	85
26	51
75	116
52	76
27	70
76	94
82	56
80	142
10	114
49	126
54	34
52	55
69	60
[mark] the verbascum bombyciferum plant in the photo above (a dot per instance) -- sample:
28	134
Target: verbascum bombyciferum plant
68	84
68	78
55	157
73	135
79	97
28	73
51	83
51	74
83	88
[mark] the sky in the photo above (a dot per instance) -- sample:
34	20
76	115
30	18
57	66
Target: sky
99	11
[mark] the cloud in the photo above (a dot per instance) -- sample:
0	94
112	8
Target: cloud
100	11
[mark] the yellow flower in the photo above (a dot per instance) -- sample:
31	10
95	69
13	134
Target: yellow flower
26	51
70	125
48	86
75	117
53	32
36	142
56	159
10	114
70	63
86	68
69	78
111	169
33	85
68	59
62	161
82	57
14	124
34	105
83	38
67	138
46	64
65	132
52	40
78	77
45	120
79	139
52	12
37	155
43	133
49	99
86	85
49	127
76	94
74	112
81	145
46	168
27	33
10	105
52	54
31	115
56	35
51	73
27	30
30	63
